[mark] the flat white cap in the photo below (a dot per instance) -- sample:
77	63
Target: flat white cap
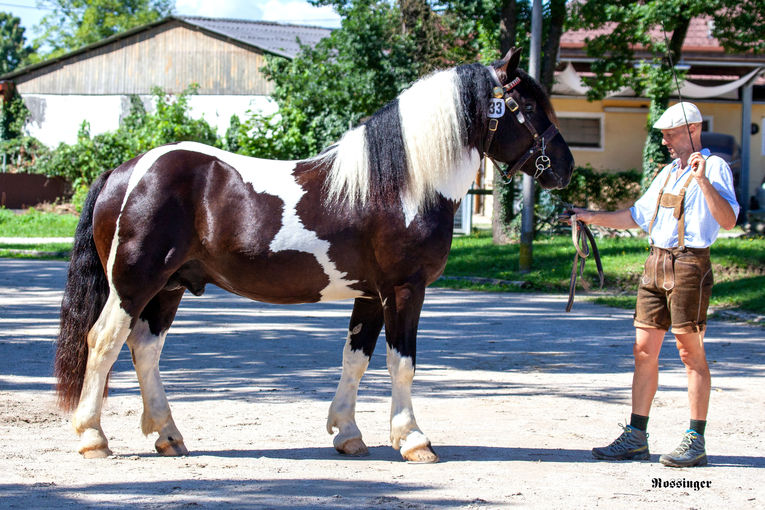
676	115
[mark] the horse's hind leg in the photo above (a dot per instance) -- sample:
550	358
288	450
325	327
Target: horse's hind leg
146	341
402	314
105	340
366	323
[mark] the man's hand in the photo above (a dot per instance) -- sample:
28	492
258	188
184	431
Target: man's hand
718	206
584	215
620	219
698	166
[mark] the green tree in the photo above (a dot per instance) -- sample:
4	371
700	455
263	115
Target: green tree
72	24
488	29
658	29
327	89
491	27
740	25
12	43
13	116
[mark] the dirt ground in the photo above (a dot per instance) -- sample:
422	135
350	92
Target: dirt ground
512	392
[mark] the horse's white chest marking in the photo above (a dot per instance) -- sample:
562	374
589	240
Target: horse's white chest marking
273	178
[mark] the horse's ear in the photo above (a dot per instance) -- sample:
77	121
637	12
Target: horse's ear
509	62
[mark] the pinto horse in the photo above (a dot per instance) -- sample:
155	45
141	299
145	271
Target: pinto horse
369	219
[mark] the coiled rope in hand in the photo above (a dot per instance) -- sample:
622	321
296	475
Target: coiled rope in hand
584	244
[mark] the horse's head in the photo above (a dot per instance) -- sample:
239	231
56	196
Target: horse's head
522	126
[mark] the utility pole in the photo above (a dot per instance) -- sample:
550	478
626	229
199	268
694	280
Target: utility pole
527	216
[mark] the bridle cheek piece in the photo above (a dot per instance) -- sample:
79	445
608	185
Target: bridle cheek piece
503	100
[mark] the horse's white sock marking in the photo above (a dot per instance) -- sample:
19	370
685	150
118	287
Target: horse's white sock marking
105	340
146	349
343	408
404	432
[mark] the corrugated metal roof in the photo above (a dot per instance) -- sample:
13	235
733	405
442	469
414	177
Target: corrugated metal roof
269	36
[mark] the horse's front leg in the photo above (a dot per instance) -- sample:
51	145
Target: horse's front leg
402	314
366	323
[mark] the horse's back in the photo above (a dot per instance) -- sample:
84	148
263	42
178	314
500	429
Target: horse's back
195	214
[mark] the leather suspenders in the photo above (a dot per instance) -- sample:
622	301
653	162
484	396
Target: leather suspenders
676	202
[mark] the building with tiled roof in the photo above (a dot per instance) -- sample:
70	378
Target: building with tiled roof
223	57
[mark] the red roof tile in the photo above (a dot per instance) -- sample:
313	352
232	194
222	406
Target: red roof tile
699	37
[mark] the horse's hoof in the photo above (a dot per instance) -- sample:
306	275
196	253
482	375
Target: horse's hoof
421	455
96	453
171	449
353	447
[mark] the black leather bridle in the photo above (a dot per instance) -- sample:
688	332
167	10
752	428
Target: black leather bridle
504	94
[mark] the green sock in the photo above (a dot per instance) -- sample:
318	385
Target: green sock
639	422
698	426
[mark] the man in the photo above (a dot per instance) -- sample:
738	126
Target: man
682	211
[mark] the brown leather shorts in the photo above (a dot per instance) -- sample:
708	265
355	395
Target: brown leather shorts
674	290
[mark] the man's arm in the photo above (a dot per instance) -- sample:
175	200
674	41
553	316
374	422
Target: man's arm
718	206
621	219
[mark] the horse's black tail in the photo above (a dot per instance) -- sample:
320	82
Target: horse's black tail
84	297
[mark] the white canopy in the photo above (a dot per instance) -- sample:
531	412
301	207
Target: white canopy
568	82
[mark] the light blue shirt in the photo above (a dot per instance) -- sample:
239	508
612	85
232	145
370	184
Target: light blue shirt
701	228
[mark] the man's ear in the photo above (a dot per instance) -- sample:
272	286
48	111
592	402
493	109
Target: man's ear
509	63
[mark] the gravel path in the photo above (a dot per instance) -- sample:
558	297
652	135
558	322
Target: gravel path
512	391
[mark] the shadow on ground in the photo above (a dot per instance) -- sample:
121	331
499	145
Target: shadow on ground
222	344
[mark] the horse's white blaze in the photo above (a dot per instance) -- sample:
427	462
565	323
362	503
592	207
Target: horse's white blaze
146	349
343	409
265	176
404	432
105	340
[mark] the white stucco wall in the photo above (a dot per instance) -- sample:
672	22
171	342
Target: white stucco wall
57	118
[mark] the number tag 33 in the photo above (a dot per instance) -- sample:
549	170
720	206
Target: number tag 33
496	108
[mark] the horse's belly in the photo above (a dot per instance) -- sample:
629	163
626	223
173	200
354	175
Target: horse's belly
285	277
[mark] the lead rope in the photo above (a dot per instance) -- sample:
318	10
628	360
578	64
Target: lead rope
693	149
677	86
584	244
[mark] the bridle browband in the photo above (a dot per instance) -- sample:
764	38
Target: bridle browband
505	95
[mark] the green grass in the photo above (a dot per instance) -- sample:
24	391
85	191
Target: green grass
552	259
738	266
33	223
52	251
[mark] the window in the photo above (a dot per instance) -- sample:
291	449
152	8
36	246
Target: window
582	131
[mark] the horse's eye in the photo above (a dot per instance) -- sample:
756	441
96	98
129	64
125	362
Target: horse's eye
529	108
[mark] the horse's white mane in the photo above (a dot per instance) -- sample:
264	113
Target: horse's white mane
430	120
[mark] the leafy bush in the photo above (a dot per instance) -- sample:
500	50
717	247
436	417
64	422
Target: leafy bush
20	151
588	188
13	115
139	132
600	190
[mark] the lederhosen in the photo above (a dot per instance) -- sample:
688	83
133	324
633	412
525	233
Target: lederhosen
677	282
